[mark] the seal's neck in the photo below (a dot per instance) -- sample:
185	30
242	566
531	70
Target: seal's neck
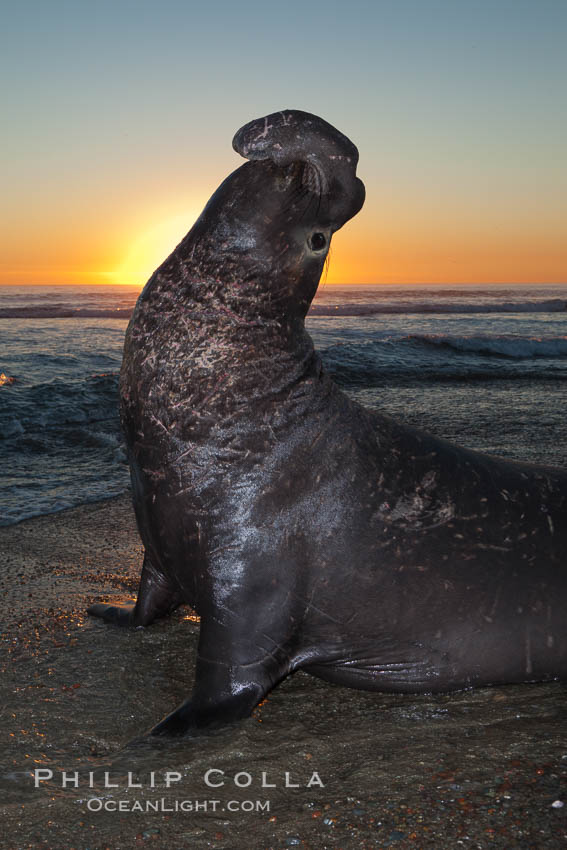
253	358
199	351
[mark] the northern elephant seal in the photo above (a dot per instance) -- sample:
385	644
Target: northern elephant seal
307	531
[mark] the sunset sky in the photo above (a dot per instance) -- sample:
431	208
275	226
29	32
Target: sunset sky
118	118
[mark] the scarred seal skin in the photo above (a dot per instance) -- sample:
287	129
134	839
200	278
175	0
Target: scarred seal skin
307	531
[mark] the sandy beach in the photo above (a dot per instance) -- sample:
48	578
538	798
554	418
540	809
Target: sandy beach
474	769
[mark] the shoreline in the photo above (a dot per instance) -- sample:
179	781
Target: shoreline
102	500
49	553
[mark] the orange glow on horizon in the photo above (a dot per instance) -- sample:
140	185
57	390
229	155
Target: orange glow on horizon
150	248
365	252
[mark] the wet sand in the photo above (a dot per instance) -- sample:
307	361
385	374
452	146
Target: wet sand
475	769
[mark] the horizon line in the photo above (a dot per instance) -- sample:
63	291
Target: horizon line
321	284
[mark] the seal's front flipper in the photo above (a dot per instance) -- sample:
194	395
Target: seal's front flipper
231	700
156	598
119	615
234	673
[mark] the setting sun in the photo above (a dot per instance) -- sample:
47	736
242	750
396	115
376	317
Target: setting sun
151	247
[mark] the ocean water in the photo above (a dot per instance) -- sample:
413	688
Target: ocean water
485	366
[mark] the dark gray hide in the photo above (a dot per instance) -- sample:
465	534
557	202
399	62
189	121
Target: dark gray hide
306	530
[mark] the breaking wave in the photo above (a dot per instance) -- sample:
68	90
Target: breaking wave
517	348
375	308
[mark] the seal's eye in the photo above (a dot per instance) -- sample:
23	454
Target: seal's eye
318	242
